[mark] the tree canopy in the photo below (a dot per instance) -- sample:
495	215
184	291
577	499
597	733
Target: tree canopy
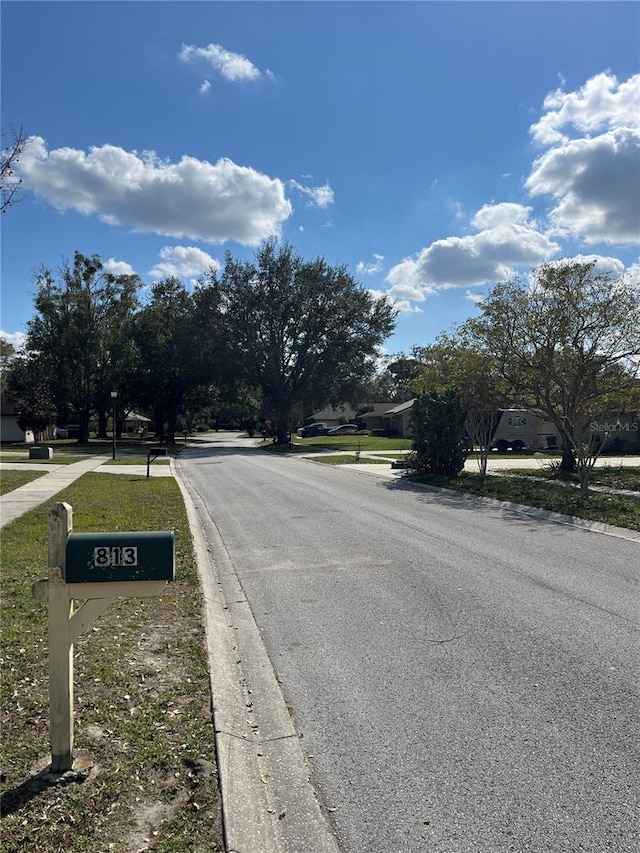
567	342
454	364
79	333
279	336
178	336
304	332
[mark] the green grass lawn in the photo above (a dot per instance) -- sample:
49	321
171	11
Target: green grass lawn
10	480
618	510
509	454
612	509
65	458
138	460
611	476
347	459
128	445
142	698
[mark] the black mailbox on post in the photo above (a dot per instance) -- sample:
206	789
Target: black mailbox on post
147	555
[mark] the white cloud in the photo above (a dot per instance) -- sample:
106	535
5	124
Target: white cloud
594	182
16	339
189	199
204	87
232	66
603	265
319	196
457	209
589	170
504	213
183	261
372	267
118	267
473	296
402	306
633	272
406	288
593	175
507	238
602	103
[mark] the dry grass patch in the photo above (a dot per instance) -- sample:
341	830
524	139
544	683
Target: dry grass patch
142	703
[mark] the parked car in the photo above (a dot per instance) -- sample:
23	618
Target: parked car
68	431
313	429
344	429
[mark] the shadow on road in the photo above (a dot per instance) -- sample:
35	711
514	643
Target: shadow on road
432	495
211	450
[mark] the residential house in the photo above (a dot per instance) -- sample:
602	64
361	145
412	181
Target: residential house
333	417
9	429
387	417
135	423
374	418
399	418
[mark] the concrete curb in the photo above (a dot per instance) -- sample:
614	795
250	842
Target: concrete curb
268	802
536	512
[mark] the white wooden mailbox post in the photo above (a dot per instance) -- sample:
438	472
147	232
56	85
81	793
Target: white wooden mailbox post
95	568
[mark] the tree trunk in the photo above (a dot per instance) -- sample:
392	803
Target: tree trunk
172	419
83	437
102	424
568	462
583	474
158	417
281	432
483	459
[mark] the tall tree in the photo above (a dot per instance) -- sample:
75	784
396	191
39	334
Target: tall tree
394	382
304	332
568	342
7	353
30	389
177	335
79	331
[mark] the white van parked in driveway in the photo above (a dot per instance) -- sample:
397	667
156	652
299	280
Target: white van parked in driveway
524	429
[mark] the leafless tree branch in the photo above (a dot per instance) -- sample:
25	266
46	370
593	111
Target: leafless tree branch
9	181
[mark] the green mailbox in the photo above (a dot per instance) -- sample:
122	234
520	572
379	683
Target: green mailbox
147	555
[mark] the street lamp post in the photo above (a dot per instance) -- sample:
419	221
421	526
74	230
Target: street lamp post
114	397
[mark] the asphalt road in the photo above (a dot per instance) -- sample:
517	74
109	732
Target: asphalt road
464	678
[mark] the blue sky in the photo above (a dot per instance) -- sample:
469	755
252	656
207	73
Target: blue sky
432	147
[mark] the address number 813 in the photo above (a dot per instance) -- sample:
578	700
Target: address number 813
115	555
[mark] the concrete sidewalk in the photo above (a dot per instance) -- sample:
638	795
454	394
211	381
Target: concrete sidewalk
57	477
21	500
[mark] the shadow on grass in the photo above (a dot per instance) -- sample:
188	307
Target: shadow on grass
14	799
443	496
520	508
